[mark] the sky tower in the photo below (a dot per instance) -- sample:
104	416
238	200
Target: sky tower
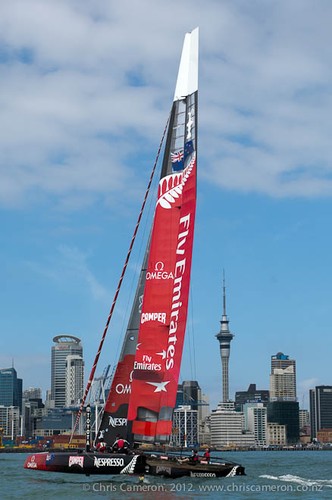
224	337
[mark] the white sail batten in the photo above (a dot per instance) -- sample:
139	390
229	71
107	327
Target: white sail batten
187	80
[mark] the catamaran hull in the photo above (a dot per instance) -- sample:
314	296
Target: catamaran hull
116	463
173	469
87	463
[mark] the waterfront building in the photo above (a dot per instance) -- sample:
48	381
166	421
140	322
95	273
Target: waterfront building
204	431
10	388
251	395
179	396
64	346
10	421
324	436
255	417
185	427
304	419
224	338
190	395
203	408
74	380
32	393
320	409
49	402
227	428
286	413
56	421
276	434
282	378
32	409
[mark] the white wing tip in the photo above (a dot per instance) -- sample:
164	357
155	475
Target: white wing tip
187	81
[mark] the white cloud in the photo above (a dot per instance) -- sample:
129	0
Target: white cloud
307	384
86	86
70	265
303	389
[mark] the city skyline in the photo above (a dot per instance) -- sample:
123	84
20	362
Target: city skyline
280	364
84	105
279	409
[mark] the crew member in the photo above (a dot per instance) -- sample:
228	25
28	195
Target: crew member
120	445
194	457
101	446
207	456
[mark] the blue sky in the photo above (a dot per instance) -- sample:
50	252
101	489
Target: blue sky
85	91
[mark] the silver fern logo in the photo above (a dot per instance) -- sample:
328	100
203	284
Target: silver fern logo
171	186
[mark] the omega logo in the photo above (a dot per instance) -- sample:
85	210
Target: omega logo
159	273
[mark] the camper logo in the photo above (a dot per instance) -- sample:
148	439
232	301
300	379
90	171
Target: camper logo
76	461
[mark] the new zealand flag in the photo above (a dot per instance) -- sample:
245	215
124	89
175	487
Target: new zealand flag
177	161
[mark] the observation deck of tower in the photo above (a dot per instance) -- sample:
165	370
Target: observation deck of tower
224	337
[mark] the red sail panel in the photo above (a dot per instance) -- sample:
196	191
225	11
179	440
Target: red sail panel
121	385
114	420
164	311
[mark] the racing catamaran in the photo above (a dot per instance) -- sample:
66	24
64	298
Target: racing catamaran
143	391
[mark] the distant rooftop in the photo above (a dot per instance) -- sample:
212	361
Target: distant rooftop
280	355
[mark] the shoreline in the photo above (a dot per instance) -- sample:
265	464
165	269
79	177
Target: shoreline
219	450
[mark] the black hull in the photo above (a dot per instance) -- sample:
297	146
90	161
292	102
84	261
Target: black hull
89	463
173	467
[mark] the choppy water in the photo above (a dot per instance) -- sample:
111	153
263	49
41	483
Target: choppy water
270	475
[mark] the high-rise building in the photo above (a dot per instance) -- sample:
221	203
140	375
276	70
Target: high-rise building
179	396
190	397
304	418
282	378
191	393
185	427
227	428
74	379
225	337
10	388
32	409
64	346
320	409
251	395
255	415
32	393
10	420
286	413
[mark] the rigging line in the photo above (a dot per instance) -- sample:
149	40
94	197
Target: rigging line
137	266
93	369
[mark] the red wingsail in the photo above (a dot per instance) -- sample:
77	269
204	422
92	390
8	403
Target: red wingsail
165	301
164	312
144	387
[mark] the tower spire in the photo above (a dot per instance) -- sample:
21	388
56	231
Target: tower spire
224	337
224	293
224	320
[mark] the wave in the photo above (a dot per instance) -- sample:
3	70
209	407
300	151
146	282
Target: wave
289	478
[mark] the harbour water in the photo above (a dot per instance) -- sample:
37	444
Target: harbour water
269	475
